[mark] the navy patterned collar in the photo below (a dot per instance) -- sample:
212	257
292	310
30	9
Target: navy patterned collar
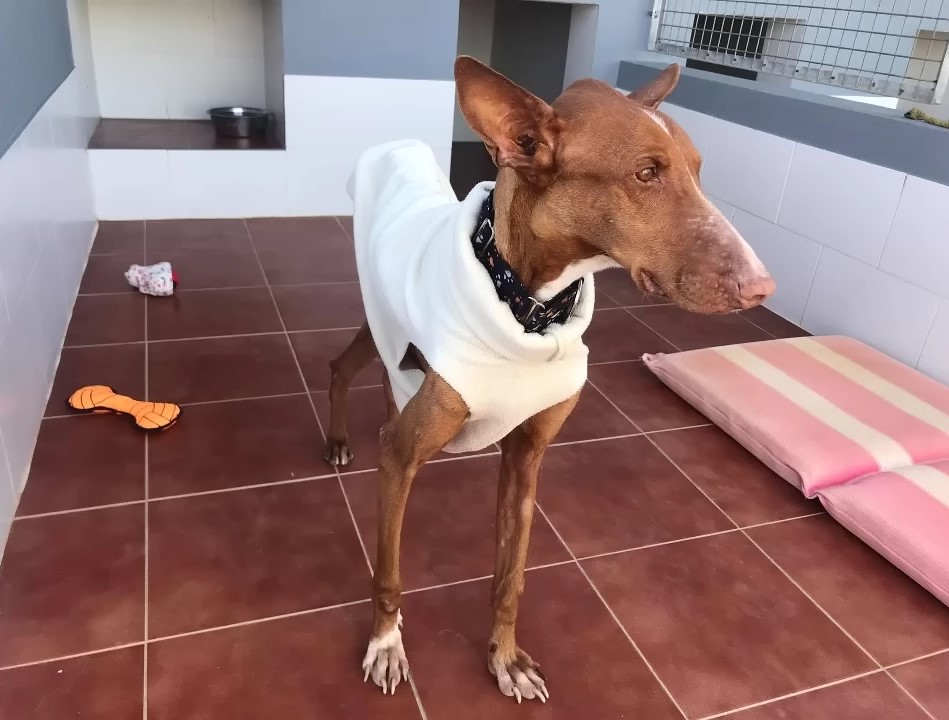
533	314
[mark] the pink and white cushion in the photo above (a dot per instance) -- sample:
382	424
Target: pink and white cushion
864	433
819	411
904	516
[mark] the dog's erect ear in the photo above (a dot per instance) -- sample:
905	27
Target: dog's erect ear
659	89
519	129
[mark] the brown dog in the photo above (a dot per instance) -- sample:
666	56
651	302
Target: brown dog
596	180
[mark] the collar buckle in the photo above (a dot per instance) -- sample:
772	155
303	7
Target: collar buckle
530	319
486	242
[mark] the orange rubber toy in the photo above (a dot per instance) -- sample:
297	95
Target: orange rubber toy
148	416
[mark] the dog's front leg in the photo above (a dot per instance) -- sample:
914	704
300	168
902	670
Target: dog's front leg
522	450
427	423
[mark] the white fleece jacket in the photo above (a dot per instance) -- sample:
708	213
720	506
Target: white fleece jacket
422	284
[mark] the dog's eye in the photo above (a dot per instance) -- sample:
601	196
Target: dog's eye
647	175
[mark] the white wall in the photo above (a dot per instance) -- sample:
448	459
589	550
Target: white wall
177	58
475	38
329	122
47	221
856	249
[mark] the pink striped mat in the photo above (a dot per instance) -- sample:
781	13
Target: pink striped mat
904	516
864	433
819	411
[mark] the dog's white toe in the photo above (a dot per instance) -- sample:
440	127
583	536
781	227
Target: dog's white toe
520	679
385	661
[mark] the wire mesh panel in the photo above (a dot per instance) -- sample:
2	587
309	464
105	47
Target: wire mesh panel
896	48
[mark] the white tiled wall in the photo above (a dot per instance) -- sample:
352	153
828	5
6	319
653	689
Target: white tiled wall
177	58
329	121
47	221
855	248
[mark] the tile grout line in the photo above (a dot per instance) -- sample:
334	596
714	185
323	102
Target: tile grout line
227	400
362	544
764	703
339	478
572	561
333	473
71	656
620	625
211	337
909	694
215	288
145	510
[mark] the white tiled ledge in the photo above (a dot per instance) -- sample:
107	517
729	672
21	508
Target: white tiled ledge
329	121
856	249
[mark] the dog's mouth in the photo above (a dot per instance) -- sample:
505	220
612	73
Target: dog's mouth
647	281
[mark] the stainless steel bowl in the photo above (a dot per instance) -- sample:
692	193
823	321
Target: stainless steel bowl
239	122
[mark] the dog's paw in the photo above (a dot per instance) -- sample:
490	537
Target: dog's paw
385	661
337	452
518	676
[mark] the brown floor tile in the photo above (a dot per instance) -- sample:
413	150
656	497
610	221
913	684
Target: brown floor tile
602	301
188	371
592	671
124	237
773	324
885	611
868	698
301	667
617	285
208	313
737	482
209	269
106	273
237	556
314	351
721	625
619	494
125	134
178	235
83	462
689	331
303	250
365	417
99	319
616	335
594	417
104	686
643	398
449	528
926	681
72	583
320	307
247	442
121	367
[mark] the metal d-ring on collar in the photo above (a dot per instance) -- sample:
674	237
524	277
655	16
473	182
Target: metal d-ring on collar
531	313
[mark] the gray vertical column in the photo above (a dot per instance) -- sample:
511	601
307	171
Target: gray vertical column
409	39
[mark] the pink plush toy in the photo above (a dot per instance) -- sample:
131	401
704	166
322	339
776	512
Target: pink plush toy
159	279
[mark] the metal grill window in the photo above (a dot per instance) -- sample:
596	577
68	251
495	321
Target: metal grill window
896	48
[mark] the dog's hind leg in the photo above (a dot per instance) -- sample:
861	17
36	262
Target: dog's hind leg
522	450
360	352
428	422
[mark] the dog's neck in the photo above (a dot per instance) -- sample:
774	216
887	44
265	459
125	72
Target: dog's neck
545	265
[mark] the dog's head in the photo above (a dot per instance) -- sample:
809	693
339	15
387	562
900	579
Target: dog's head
609	174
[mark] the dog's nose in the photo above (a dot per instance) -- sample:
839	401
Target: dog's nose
755	291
